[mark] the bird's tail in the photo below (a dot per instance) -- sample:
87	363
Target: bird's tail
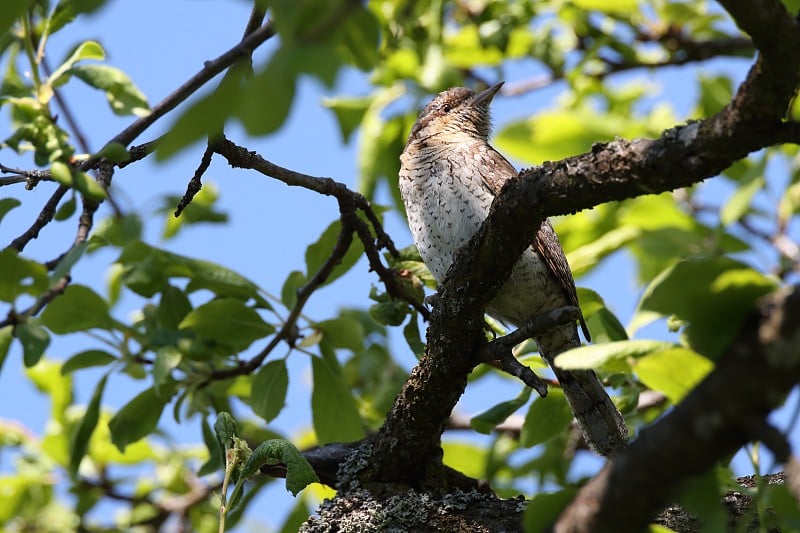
600	421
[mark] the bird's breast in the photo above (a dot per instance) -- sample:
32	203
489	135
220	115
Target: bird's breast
446	200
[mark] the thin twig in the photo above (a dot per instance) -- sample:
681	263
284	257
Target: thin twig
210	70
240	157
196	183
45	216
288	330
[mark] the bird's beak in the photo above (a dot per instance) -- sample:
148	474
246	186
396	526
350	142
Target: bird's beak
485	96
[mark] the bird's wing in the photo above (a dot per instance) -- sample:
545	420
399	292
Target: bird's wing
546	242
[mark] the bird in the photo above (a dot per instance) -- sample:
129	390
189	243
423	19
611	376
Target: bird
449	176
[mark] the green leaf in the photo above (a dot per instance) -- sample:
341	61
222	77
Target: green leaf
87	359
85	50
67	209
702	497
116	231
584	258
167	359
268	391
378	140
173	307
225	428
62	173
496	415
546	418
343	332
359	37
122	94
138	418
294	281
147	269
349	113
544	508
610	356
299	473
12	10
739	203
603	324
391	313
6	336
333	408
674	372
34	339
555	134
80	439
20	276
88	186
200	210
715	93
67	262
712	294
114	152
216	459
320	251
413	338
227	321
468	458
78	309
264	104
206	116
6	205
792	6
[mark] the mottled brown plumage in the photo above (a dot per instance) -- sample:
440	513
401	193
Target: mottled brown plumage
448	179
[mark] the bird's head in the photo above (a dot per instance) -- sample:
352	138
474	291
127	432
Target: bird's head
455	112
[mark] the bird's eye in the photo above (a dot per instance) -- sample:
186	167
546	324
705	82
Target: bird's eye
446	108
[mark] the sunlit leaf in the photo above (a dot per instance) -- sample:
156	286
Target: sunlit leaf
123	96
333	407
85	50
610	356
674	371
467	458
712	294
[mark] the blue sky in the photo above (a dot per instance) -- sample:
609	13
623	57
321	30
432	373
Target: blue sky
161	44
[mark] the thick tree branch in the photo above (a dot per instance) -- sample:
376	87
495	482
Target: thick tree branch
714	420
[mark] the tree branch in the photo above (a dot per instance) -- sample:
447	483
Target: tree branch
706	425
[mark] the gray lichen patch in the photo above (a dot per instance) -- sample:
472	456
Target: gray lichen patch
357	511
